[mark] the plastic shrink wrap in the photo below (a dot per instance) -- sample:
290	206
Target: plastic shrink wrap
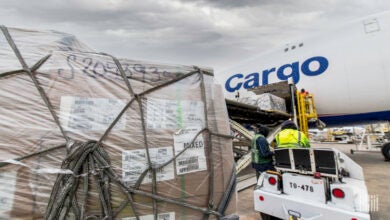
266	101
83	134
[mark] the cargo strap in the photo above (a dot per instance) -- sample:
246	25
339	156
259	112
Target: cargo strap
231	189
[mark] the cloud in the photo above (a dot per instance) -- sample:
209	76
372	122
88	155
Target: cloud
213	33
232	3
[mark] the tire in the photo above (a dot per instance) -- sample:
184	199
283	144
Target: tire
386	151
268	217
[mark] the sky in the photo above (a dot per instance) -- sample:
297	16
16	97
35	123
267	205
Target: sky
207	33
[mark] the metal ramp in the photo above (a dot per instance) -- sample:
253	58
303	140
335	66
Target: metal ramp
240	129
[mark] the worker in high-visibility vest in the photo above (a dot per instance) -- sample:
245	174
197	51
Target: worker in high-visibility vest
290	137
261	154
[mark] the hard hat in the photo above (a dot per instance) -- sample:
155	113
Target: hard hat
289	124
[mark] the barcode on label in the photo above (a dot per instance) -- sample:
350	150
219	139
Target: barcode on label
189	168
190	160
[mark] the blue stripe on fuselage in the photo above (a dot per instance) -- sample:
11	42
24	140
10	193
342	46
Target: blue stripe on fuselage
362	118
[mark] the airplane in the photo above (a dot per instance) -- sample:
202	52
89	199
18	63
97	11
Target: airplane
347	70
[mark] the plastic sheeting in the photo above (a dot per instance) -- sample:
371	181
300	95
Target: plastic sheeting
266	101
162	132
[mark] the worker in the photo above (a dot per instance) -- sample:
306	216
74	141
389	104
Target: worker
290	137
261	154
303	92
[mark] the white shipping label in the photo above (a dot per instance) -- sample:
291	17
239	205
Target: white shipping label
174	114
134	162
91	114
162	216
7	190
194	158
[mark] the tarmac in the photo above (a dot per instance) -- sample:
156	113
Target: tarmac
377	176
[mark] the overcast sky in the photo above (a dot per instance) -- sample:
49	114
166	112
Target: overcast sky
196	32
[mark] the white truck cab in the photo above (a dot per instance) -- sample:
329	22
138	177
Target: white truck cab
312	184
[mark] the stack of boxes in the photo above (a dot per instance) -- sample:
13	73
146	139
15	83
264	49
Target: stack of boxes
86	92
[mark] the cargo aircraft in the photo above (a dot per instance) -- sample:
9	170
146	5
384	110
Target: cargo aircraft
346	69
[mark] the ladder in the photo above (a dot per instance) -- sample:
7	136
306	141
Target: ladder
306	111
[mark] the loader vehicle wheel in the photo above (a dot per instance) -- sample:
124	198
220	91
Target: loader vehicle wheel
386	151
268	217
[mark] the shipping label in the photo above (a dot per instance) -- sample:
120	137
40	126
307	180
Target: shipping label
174	114
162	216
91	114
194	158
7	189
134	162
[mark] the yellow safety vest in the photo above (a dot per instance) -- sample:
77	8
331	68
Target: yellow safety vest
291	138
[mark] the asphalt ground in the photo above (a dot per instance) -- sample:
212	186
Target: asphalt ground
377	176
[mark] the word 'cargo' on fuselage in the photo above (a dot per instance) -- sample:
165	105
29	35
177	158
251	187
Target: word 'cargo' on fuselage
284	72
